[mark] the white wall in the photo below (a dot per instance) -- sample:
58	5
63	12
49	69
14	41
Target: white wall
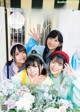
69	25
65	20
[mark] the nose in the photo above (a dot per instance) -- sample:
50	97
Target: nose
31	68
21	54
56	65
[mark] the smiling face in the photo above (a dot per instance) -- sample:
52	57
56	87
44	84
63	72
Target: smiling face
56	66
34	70
53	43
20	56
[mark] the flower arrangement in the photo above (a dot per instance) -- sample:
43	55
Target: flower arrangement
47	100
22	98
7	88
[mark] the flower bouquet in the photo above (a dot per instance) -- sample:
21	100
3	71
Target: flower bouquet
47	100
22	98
12	94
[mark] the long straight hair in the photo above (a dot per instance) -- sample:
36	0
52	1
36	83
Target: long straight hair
53	34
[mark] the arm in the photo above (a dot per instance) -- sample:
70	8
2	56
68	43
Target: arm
71	86
31	43
34	39
74	92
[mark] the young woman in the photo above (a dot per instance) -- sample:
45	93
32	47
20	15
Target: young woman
54	41
19	56
65	81
35	73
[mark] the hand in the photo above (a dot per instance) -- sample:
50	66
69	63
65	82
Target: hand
68	71
37	80
78	52
15	69
34	34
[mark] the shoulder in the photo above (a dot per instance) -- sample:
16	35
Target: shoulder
18	76
39	49
9	63
21	77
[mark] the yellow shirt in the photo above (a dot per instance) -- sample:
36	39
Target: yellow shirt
21	77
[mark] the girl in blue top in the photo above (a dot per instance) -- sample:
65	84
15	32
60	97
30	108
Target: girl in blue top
65	81
54	42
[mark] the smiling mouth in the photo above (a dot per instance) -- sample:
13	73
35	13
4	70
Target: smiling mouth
54	70
51	46
32	75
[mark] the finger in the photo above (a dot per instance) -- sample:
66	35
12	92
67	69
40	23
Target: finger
66	65
34	30
31	31
30	34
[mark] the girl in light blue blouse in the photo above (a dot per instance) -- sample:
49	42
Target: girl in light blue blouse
65	81
19	56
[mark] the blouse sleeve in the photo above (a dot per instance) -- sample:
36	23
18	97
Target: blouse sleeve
76	91
75	60
30	44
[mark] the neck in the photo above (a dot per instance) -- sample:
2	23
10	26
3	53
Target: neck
19	65
56	75
51	51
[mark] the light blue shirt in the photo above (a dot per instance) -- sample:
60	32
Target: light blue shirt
11	72
75	61
68	88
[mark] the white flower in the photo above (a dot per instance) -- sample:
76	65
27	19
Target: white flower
25	102
10	103
65	103
50	109
62	108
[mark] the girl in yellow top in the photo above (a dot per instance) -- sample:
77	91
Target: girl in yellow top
35	73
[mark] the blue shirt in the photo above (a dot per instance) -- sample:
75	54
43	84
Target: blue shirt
75	61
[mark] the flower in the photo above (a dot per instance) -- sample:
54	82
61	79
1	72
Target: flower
23	98
10	103
47	100
50	109
11	92
25	102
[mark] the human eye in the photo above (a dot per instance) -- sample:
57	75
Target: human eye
35	66
56	40
60	64
50	38
23	51
53	62
16	54
28	66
